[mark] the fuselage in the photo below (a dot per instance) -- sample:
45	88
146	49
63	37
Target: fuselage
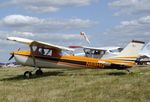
67	61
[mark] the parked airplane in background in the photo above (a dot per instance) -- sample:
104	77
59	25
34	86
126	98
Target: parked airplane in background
144	56
106	52
45	55
146	50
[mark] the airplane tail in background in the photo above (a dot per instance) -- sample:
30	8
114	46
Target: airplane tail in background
131	51
146	50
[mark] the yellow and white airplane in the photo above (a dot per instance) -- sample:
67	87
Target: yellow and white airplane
45	55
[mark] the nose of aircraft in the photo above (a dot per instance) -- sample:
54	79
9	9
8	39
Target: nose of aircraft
12	55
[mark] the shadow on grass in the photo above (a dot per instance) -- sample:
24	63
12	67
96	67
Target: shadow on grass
117	73
45	74
61	73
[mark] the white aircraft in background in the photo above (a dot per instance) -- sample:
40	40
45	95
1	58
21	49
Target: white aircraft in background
146	50
144	55
107	52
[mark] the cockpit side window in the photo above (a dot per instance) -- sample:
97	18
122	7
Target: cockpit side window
48	52
42	51
45	51
87	52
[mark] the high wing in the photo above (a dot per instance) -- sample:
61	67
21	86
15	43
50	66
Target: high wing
38	43
97	48
103	48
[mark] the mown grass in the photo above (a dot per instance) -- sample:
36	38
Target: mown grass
86	85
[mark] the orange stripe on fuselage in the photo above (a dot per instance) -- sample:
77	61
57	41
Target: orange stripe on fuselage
90	62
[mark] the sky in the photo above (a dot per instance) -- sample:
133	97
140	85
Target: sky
106	22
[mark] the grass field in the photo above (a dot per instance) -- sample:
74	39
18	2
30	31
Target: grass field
84	85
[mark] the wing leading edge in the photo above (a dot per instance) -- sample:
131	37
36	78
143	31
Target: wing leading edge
38	43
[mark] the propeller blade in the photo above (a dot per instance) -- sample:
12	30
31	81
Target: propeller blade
11	57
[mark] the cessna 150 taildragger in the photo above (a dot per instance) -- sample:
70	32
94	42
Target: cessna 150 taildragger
46	55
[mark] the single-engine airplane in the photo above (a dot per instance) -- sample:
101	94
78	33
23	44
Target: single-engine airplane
46	55
109	51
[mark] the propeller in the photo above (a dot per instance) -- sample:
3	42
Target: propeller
12	55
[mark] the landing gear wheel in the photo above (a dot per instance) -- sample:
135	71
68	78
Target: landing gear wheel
39	72
27	74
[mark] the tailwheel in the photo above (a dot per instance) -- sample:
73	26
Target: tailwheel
39	72
27	74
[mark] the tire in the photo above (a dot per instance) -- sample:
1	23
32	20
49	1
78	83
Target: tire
39	72
27	74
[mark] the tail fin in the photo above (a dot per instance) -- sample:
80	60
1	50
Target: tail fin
146	50
132	50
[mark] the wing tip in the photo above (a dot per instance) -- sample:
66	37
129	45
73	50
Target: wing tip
137	41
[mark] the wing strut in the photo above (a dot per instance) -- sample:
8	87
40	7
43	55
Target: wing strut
33	57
